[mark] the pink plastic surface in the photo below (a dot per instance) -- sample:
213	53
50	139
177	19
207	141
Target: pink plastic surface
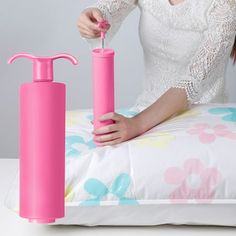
42	143
103	25
42	150
43	66
103	85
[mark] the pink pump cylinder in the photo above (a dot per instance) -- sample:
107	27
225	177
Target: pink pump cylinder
103	85
42	142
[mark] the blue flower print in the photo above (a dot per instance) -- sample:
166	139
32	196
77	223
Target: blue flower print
126	112
98	190
90	117
95	188
120	187
229	113
73	139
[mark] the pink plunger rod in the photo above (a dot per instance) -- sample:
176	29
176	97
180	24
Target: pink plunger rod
103	85
103	25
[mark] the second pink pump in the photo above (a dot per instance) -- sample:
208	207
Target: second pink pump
103	82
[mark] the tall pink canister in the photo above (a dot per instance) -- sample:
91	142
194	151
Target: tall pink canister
103	85
42	142
103	81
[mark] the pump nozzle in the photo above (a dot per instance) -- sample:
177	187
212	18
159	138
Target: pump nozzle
103	25
43	66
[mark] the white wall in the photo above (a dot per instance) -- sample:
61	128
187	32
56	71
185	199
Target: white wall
47	27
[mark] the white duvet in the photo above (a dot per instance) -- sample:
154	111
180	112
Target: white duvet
188	160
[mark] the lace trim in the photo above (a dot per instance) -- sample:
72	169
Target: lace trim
217	44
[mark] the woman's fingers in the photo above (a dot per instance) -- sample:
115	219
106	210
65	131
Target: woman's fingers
107	137
113	142
88	23
86	30
106	129
89	34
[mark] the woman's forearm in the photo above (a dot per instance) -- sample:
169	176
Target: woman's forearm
170	103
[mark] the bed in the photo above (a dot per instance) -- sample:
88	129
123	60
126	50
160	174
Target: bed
179	172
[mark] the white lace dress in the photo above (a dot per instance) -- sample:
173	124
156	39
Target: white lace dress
185	45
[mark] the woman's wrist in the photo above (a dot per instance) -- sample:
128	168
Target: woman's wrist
139	124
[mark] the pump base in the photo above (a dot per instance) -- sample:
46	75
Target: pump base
42	221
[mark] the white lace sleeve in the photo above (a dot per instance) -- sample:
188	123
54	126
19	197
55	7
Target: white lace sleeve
115	11
217	43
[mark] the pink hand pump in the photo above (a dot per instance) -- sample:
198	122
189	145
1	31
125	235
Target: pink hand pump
42	142
103	82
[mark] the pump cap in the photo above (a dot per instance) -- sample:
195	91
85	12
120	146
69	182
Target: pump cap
103	25
43	66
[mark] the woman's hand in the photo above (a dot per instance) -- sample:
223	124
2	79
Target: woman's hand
88	23
123	129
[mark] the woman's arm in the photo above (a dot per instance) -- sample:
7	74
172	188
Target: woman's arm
170	103
215	48
124	128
